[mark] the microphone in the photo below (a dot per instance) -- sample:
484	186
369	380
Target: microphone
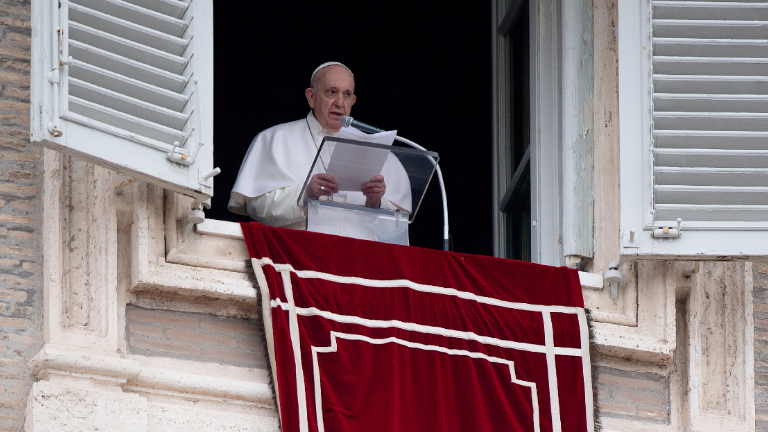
348	121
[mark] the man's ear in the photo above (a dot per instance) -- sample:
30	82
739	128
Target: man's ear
310	94
354	99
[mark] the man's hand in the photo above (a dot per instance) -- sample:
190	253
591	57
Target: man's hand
321	185
373	190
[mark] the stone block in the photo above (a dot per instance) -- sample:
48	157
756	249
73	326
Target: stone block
21	175
152	317
17	251
164	346
23	220
14	143
170	418
227	326
13	322
21	94
9	263
19	157
195	336
21	235
235	357
17	190
211	339
13	294
56	407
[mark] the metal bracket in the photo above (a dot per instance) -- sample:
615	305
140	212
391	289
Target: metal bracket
204	179
631	238
613	277
197	215
668	232
54	127
188	158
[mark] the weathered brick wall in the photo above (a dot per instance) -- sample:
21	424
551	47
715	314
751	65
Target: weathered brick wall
21	286
760	305
639	396
194	336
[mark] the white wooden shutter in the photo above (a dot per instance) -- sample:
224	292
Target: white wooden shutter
693	98
127	84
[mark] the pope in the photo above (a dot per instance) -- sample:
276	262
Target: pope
272	174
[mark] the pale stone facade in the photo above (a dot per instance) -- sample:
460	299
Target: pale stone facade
21	272
116	314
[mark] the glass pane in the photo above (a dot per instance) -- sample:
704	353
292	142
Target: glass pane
520	88
518	211
518	218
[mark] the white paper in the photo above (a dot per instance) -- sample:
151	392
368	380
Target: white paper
355	165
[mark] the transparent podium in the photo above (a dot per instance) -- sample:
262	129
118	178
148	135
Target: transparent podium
407	173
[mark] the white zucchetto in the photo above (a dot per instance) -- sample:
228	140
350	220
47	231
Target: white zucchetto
326	64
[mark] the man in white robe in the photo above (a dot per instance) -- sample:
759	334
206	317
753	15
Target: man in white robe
271	177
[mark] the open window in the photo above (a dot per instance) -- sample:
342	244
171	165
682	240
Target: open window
516	198
693	129
127	85
527	131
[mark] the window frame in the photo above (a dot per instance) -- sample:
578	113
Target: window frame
545	154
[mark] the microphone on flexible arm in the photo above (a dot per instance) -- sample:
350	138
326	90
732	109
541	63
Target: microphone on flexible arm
348	121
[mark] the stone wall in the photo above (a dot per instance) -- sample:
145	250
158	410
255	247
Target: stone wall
21	275
195	336
631	395
760	305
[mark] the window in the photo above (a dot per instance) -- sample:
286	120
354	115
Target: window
127	85
527	167
516	202
692	97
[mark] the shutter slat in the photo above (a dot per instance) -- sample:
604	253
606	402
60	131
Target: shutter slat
710	195
172	8
710	84
138	15
126	122
128	49
709	66
694	10
712	213
127	104
710	121
126	67
710	29
698	176
684	47
127	30
707	158
710	103
127	86
667	139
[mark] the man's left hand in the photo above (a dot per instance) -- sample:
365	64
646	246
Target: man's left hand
373	190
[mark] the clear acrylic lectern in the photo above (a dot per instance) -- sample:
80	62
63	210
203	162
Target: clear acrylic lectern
406	172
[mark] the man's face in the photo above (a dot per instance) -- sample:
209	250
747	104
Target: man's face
333	96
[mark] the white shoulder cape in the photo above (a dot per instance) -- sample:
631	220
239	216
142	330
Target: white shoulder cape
282	156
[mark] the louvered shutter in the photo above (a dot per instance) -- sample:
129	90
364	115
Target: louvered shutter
129	85
693	96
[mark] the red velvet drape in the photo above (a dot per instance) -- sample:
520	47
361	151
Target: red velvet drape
378	337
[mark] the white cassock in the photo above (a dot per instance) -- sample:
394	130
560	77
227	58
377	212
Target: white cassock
276	165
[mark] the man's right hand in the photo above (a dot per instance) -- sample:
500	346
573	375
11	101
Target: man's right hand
321	185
